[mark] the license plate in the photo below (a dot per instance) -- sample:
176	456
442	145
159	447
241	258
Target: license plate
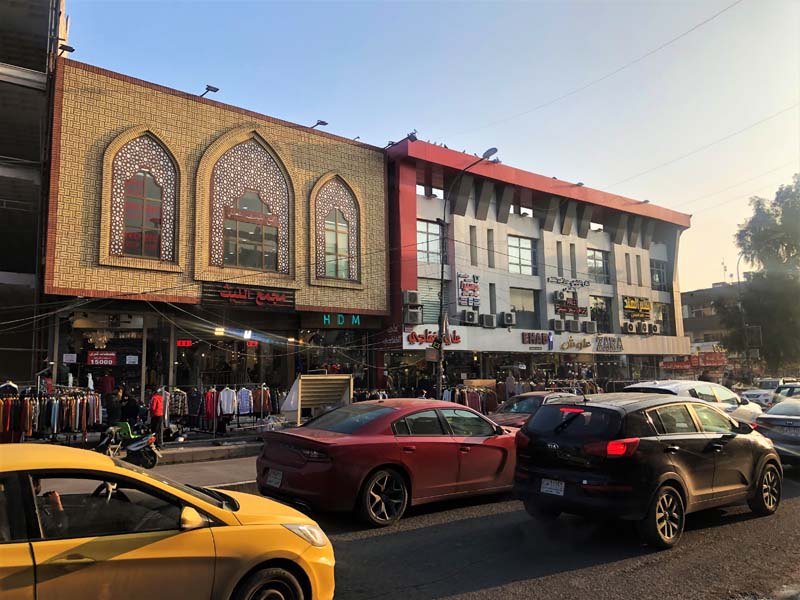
790	431
552	487
274	478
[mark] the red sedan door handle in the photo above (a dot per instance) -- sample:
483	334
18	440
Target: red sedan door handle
464	449
409	449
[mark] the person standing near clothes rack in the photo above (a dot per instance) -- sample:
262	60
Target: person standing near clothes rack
511	385
157	417
113	402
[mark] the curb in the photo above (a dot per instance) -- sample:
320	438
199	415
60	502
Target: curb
175	456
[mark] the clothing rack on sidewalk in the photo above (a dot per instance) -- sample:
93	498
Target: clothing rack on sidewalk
250	395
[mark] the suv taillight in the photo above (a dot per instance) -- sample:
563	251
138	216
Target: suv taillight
521	439
612	448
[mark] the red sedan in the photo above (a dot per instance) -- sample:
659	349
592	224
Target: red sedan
516	411
379	457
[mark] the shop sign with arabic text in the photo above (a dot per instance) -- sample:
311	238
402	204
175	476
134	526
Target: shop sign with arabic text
247	296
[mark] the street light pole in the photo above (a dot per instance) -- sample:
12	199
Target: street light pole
443	229
744	323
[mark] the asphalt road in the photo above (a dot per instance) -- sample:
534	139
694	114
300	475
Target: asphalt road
490	548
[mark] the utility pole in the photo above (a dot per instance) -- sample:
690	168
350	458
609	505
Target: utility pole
744	323
444	235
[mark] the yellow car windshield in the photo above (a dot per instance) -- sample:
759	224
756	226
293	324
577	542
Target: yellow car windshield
211	497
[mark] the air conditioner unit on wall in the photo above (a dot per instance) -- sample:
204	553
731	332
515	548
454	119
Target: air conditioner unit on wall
644	327
469	317
655	329
412	316
557	325
629	327
559	296
509	319
590	326
489	321
573	326
411	298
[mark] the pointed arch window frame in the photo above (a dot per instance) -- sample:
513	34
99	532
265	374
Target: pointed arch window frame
333	192
143	152
265	179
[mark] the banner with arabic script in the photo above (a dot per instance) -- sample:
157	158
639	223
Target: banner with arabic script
247	296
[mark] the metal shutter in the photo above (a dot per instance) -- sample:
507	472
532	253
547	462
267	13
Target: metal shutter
429	297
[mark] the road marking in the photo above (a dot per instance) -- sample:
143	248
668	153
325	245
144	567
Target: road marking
216	485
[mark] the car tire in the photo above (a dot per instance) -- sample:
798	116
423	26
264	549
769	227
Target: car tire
383	498
269	583
541	513
666	517
767	496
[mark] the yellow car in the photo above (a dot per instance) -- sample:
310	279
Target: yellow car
76	524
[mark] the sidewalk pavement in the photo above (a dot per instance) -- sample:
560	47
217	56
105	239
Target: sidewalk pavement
203	447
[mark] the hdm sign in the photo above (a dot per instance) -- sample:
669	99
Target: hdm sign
340	320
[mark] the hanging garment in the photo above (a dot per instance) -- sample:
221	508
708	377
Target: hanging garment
245	398
227	401
474	400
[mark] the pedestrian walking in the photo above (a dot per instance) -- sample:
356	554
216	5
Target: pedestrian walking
157	417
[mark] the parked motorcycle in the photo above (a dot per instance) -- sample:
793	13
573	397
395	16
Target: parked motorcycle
139	449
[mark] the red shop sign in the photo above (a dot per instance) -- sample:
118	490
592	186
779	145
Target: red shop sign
428	337
96	358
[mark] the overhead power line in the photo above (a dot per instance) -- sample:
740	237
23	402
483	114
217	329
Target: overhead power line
705	147
608	75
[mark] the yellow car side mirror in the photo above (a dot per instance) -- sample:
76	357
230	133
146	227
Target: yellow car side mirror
191	519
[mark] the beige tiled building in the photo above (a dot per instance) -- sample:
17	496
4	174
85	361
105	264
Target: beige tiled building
185	215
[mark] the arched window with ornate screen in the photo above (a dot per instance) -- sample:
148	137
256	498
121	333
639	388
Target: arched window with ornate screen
337	232
249	210
143	201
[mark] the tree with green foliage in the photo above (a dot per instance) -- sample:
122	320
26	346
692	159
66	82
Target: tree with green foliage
770	239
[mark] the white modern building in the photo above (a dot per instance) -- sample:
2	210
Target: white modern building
540	274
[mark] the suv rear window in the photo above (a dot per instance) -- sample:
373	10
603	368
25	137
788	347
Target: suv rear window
788	390
349	419
572	420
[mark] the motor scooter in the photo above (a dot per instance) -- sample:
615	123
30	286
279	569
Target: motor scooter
139	449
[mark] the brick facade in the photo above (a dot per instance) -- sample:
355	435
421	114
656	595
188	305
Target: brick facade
97	112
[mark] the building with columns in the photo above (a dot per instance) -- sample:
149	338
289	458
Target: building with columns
540	274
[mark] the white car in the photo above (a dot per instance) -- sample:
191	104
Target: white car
740	409
787	390
772	391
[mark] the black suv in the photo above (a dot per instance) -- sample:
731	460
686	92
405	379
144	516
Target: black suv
652	458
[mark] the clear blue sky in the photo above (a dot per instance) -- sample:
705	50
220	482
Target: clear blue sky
379	69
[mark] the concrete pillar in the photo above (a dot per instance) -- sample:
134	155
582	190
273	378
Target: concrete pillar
459	196
647	233
551	212
171	377
673	243
635	231
504	201
143	377
618	224
568	215
584	219
484	199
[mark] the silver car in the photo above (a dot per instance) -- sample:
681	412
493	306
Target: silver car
740	409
